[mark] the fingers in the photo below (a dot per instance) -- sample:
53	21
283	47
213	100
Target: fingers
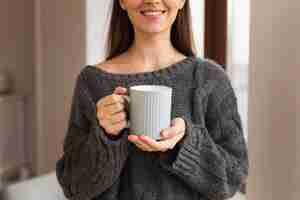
177	127
111	111
167	134
148	144
141	145
112	99
170	133
110	105
116	118
114	123
163	145
126	98
113	129
120	90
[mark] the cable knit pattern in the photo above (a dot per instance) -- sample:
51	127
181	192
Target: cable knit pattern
210	162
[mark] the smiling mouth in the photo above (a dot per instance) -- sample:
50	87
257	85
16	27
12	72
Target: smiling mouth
153	12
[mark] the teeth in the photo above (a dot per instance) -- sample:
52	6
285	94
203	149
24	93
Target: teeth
152	13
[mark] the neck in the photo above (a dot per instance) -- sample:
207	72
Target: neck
150	50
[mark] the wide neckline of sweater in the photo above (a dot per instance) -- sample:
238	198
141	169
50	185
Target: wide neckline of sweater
167	70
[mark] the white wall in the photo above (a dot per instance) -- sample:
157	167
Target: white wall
274	48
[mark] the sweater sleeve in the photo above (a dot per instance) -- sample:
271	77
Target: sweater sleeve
91	162
213	158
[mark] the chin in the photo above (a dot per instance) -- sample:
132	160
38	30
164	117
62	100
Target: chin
153	30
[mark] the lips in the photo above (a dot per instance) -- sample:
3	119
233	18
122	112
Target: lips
152	12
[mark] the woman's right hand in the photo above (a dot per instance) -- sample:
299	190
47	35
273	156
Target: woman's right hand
111	112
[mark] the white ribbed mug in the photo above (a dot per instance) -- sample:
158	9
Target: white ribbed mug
149	109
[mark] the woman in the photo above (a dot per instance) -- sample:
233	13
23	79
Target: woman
202	155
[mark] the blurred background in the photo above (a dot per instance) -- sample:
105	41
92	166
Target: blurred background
44	45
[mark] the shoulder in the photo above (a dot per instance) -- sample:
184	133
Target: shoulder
113	64
212	81
210	69
88	75
82	97
106	65
210	72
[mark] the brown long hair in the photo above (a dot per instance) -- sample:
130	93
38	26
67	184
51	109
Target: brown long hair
121	32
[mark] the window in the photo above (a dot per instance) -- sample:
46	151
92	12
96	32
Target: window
238	53
227	42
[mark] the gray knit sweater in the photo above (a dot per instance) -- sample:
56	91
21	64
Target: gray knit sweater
210	163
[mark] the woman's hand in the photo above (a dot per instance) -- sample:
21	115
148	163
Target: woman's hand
169	137
111	112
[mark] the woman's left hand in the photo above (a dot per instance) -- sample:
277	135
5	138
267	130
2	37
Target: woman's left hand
169	137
